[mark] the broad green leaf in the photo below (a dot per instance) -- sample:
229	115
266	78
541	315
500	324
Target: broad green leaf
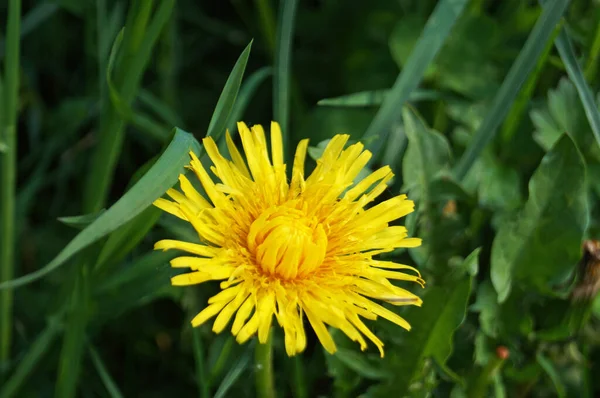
542	245
523	65
30	360
432	38
432	331
563	113
428	154
282	68
220	117
150	187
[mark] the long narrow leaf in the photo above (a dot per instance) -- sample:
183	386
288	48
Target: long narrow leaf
283	61
432	38
109	383
523	65
150	187
219	119
36	351
565	49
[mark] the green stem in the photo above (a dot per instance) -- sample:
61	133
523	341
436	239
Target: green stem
264	369
480	384
8	172
201	378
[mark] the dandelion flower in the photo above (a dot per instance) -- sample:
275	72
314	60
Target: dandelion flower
292	249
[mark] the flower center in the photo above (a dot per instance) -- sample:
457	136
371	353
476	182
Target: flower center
286	243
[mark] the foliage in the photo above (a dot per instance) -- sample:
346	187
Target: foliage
485	110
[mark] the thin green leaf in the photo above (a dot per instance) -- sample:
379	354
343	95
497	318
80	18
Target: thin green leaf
523	65
32	20
220	117
34	355
376	98
74	340
8	171
283	65
432	38
234	373
553	374
542	245
246	94
80	222
150	187
201	377
109	383
567	54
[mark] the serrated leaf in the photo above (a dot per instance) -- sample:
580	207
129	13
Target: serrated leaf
542	245
432	331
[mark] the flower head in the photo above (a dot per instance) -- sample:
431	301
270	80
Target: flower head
289	249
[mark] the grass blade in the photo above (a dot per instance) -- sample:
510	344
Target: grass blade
567	53
36	351
432	38
234	373
220	117
8	171
199	357
138	42
282	70
523	65
150	187
246	94
109	383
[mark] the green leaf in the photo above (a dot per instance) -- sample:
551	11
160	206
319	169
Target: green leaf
359	363
31	359
150	187
376	98
432	38
523	65
553	374
247	91
80	222
282	68
220	117
563	113
234	373
107	380
432	331
428	154
567	54
542	245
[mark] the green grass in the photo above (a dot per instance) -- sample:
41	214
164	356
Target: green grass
486	111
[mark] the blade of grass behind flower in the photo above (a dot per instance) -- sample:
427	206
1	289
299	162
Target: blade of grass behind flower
8	172
32	20
234	373
138	42
567	53
224	107
150	187
27	364
199	356
282	69
107	380
523	65
436	31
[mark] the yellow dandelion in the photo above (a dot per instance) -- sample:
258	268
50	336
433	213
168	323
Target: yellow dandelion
289	249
